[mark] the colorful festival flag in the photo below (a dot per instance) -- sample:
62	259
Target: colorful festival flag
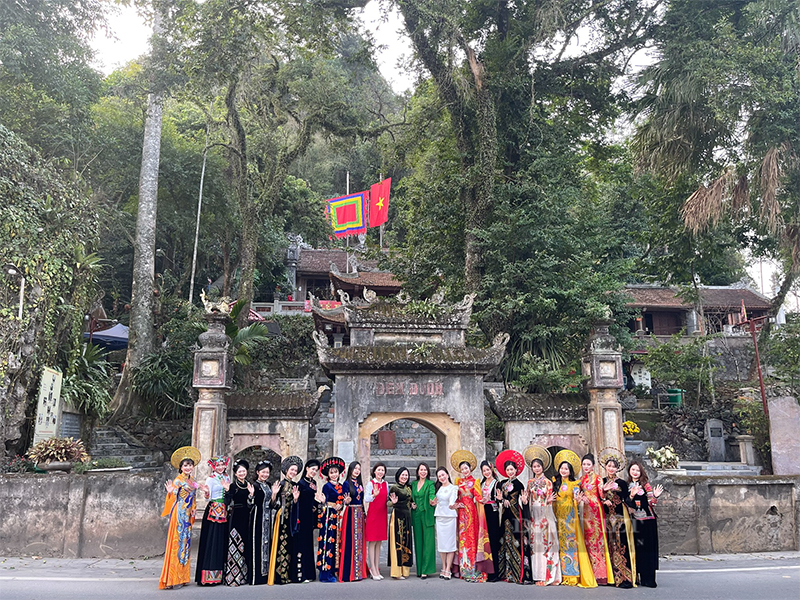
379	202
347	214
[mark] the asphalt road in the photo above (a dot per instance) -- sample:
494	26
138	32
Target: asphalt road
773	576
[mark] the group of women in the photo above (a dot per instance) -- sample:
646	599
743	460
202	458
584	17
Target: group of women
577	530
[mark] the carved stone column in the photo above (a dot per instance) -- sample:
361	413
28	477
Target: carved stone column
602	364
212	378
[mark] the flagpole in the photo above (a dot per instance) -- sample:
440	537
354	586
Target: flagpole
380	229
347	238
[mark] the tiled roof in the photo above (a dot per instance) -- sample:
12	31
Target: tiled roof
713	297
370	279
319	261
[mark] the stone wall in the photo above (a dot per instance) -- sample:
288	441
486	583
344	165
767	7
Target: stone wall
734	356
103	515
728	514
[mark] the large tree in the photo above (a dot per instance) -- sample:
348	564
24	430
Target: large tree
721	104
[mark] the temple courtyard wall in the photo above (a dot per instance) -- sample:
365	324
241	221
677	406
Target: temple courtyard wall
116	515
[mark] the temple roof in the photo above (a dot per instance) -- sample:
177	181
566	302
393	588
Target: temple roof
414	357
724	298
371	279
272	403
518	406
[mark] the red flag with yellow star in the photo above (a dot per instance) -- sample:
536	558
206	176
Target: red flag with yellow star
379	202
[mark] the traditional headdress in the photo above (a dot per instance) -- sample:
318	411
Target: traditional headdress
264	464
289	461
540	452
463	456
570	457
333	461
184	452
312	462
219	460
241	463
510	455
610	452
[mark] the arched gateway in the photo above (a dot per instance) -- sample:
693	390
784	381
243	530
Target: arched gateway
407	363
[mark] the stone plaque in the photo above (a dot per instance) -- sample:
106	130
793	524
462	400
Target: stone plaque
716	441
608	369
210	368
784	425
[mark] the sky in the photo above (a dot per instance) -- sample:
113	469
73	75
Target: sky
129	39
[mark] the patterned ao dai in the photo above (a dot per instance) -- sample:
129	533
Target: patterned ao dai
515	557
546	565
284	564
594	528
575	566
620	533
260	546
179	506
400	541
474	551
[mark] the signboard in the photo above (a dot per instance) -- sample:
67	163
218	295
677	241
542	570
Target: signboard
48	408
641	376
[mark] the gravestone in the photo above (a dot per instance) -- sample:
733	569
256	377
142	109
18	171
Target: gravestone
716	440
784	425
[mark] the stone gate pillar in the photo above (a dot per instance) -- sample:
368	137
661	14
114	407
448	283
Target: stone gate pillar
212	378
602	364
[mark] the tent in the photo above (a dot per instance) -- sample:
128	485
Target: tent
115	338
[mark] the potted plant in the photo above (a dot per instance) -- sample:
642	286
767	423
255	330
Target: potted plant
58	454
664	459
629	428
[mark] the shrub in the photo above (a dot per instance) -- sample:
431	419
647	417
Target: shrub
99	463
58	450
17	464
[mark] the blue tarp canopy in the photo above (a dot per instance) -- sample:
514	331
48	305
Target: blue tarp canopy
115	338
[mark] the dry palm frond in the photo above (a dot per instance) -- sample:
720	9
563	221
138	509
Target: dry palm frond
792	239
770	176
705	207
740	195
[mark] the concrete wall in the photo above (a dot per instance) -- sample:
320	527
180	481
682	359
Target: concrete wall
116	515
728	514
105	515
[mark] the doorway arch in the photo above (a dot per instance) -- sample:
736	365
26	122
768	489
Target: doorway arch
446	430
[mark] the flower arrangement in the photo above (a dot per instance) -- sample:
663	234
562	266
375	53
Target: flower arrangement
59	450
663	458
629	428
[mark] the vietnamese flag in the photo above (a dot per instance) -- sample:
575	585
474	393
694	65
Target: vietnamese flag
379	202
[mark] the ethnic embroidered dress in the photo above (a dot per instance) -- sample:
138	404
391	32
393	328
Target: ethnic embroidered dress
328	542
400	544
575	566
260	546
179	506
620	532
474	558
352	563
492	512
239	505
543	532
514	562
594	528
422	521
213	548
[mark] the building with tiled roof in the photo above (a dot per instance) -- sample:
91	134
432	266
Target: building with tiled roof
665	312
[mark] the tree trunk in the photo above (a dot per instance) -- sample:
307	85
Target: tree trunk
141	335
248	244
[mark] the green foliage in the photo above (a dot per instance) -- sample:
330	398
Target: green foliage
57	449
293	354
87	384
782	352
46	82
682	363
164	379
752	421
17	464
536	375
46	225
